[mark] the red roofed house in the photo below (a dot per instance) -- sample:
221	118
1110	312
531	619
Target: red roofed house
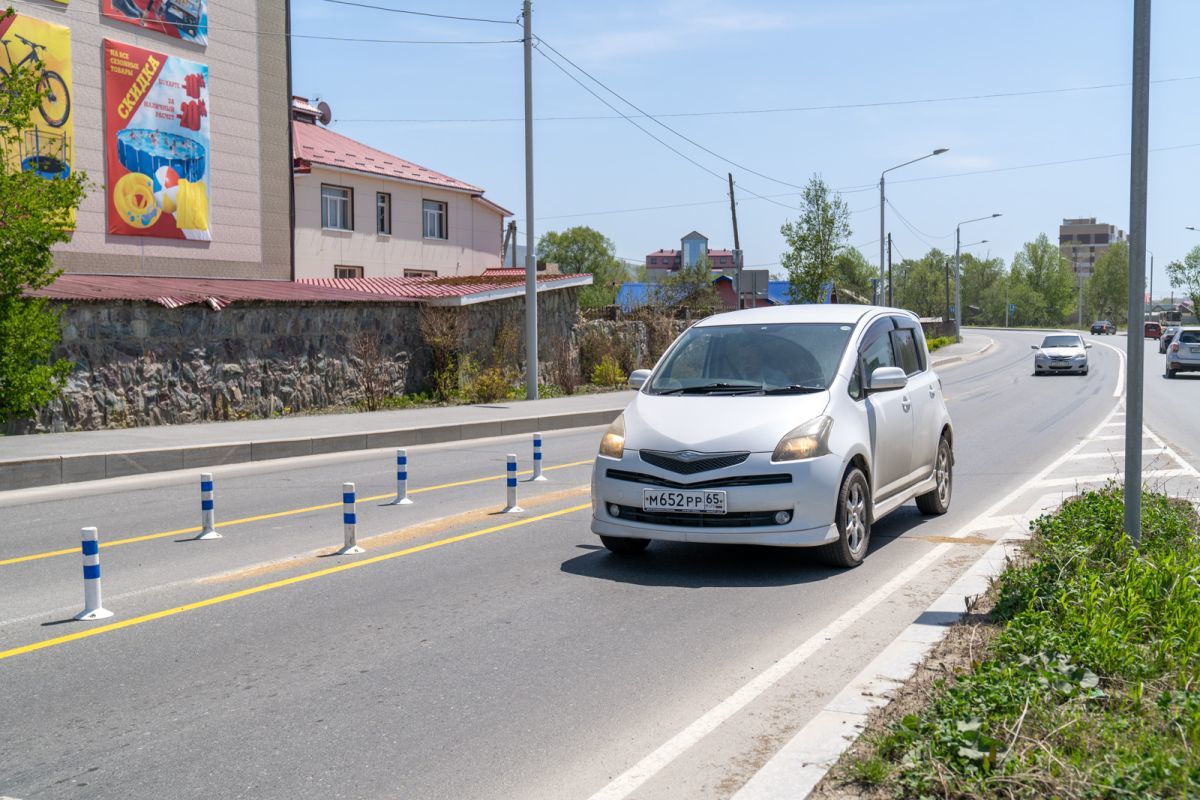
692	247
364	213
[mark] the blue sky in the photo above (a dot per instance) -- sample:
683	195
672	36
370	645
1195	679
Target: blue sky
672	56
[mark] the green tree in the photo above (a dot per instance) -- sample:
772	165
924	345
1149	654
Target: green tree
920	284
980	277
1108	288
814	240
852	271
1041	266
583	249
1185	275
35	214
690	287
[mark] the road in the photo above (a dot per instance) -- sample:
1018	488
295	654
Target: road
468	654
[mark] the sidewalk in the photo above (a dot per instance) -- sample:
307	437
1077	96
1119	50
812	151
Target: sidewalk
46	459
972	345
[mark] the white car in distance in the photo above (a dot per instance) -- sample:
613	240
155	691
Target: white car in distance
1061	352
793	426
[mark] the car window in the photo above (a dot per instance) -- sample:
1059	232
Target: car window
1062	341
905	347
1189	337
878	354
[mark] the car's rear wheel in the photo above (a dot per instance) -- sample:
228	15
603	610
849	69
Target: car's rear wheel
938	500
853	521
1170	373
622	545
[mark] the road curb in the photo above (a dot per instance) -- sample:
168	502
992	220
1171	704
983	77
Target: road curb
26	473
968	357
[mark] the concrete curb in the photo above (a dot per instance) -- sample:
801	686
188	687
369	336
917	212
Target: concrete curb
935	363
50	470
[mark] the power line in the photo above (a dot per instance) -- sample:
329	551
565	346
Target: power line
782	110
421	13
917	231
399	41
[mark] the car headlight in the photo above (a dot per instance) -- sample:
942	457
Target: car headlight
807	441
613	443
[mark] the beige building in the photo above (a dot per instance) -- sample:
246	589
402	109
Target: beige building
364	213
1083	240
245	119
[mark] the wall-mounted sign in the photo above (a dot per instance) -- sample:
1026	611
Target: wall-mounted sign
183	19
45	145
157	143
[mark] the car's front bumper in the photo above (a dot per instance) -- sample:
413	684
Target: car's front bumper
1060	366
809	495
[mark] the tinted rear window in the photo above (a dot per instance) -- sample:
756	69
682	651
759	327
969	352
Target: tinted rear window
1190	337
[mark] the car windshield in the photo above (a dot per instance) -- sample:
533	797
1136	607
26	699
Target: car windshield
753	359
1062	341
1189	337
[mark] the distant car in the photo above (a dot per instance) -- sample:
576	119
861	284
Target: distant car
1183	354
1168	334
1061	352
1152	330
1103	326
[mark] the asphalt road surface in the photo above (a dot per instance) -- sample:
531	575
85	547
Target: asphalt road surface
469	654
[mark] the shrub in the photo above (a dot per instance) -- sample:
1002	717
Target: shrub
563	369
488	386
608	373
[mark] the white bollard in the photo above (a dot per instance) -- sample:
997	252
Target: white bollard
401	479
510	475
537	458
208	517
349	522
93	605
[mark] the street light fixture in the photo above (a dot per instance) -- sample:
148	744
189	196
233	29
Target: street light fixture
957	274
883	204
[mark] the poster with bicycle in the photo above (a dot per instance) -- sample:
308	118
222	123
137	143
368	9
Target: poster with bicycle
157	145
183	19
45	145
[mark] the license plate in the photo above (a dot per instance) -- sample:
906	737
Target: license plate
689	502
1194	349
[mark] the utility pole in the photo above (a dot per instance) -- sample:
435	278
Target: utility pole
1080	301
1006	302
947	269
737	244
531	313
1134	374
890	296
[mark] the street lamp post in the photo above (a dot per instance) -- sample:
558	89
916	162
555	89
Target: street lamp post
882	205
958	273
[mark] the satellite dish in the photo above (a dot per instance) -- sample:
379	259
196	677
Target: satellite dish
326	114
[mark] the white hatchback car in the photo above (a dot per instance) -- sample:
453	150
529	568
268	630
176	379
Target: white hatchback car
794	426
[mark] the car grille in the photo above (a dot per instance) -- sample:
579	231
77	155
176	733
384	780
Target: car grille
706	461
715	483
740	519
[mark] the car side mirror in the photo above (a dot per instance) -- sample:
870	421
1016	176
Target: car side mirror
887	379
1088	346
638	378
1034	347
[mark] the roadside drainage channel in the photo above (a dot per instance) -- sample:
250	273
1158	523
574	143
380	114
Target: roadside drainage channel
50	470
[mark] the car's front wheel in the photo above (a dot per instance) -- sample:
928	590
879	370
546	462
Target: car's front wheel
853	522
622	545
938	500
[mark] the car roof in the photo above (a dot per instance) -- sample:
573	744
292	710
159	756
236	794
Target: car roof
807	312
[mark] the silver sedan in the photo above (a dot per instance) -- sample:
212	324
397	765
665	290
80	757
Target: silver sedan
1061	352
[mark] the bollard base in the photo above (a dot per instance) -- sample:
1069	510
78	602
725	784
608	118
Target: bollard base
95	613
540	478
399	502
204	535
512	510
349	551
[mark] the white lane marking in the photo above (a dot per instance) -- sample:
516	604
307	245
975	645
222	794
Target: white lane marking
1120	390
1118	454
108	598
1078	480
629	781
1118	437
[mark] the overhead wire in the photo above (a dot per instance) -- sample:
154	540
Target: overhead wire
914	228
374	7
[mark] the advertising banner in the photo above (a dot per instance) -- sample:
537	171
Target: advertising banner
45	145
183	19
157	144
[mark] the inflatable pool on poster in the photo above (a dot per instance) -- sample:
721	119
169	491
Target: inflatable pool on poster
158	144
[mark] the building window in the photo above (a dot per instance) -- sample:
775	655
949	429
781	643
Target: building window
434	216
420	273
383	213
340	271
337	207
1101	238
1084	238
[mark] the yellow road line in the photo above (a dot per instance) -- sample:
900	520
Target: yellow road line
266	587
274	515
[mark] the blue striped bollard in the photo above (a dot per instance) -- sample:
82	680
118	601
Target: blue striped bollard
349	522
208	518
537	458
402	498
93	606
510	478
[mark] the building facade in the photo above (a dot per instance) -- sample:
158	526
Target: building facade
364	213
1083	240
691	247
180	128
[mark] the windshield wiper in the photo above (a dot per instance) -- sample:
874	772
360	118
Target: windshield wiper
795	388
709	388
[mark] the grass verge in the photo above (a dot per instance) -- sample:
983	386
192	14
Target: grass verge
1088	685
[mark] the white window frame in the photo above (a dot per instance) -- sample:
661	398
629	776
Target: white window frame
337	206
420	273
437	213
383	213
357	272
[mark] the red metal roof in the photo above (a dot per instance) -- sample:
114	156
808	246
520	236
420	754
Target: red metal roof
512	272
429	288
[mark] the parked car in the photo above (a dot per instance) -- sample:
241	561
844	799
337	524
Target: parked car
1103	326
792	426
1183	355
1168	334
1152	330
1061	352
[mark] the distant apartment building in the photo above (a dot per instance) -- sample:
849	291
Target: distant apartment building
691	247
1084	240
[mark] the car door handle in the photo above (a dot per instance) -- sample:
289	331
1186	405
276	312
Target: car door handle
932	392
905	404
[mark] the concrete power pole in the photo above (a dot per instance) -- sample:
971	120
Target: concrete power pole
891	299
1139	152
737	244
531	313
